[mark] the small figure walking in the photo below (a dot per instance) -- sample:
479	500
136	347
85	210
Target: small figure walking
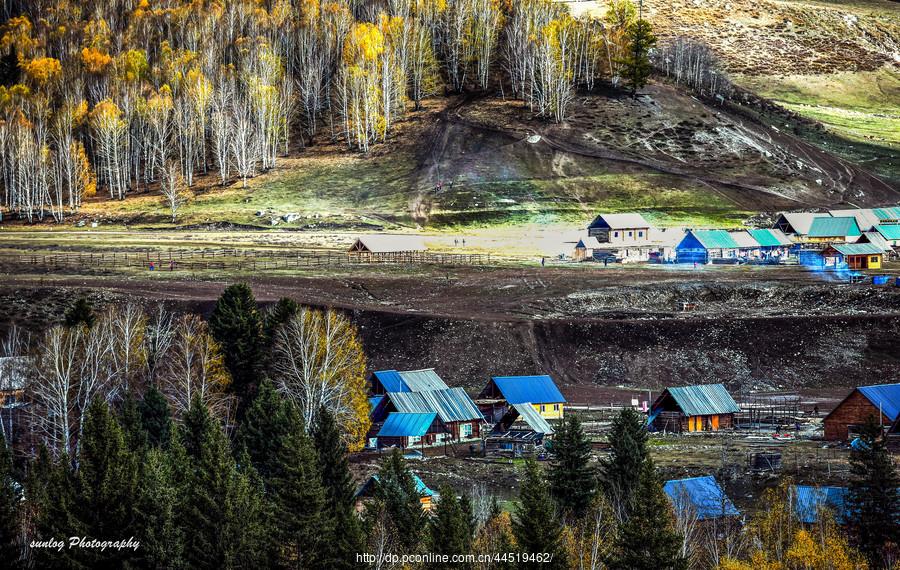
455	241
152	267
695	265
172	265
464	242
542	261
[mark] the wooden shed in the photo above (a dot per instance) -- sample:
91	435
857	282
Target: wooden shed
880	401
387	248
707	407
853	255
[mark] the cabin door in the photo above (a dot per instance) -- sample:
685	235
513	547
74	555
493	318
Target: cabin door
715	422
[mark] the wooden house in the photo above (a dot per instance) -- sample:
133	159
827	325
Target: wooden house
387	248
408	430
853	256
772	242
539	392
693	408
585	248
797	224
880	401
620	229
520	430
702	497
833	230
366	491
702	246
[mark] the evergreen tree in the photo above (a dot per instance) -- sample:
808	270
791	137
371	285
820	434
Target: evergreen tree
648	539
224	514
80	314
10	549
106	486
636	65
136	437
450	527
266	424
628	450
280	313
156	418
536	525
397	493
50	489
236	325
157	504
573	482
340	552
874	500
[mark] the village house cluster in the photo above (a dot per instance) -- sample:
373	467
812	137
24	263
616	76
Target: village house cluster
854	239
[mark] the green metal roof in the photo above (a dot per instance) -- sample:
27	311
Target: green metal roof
770	238
889	213
889	231
834	227
857	249
715	239
703	400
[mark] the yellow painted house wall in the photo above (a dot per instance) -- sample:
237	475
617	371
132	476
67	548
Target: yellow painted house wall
875	264
550	411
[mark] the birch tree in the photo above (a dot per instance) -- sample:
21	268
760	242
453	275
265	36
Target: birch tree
109	129
317	362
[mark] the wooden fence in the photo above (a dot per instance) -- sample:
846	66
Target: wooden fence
222	259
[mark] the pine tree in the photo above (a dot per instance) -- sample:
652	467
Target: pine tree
10	549
340	552
224	514
156	506
636	65
136	437
450	527
397	493
50	489
236	325
536	525
285	309
106	485
266	424
573	482
648	540
156	418
621	471
874	500
80	314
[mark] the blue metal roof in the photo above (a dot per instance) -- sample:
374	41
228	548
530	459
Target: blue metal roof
702	400
884	396
390	379
703	494
410	380
421	488
373	402
809	500
400	424
834	227
451	405
533	389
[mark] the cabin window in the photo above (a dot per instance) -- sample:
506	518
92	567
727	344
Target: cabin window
414	439
615	234
543	408
465	430
630	234
873	259
555	407
641	234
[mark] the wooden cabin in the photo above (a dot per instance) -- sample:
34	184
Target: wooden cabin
620	229
521	430
408	430
693	408
844	229
702	246
366	491
539	392
387	248
880	401
853	255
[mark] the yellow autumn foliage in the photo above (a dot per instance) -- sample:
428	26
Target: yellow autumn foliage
43	70
95	61
364	44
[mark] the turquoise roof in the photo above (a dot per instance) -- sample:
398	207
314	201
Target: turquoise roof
857	249
834	227
715	239
889	231
702	400
406	425
889	213
770	238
